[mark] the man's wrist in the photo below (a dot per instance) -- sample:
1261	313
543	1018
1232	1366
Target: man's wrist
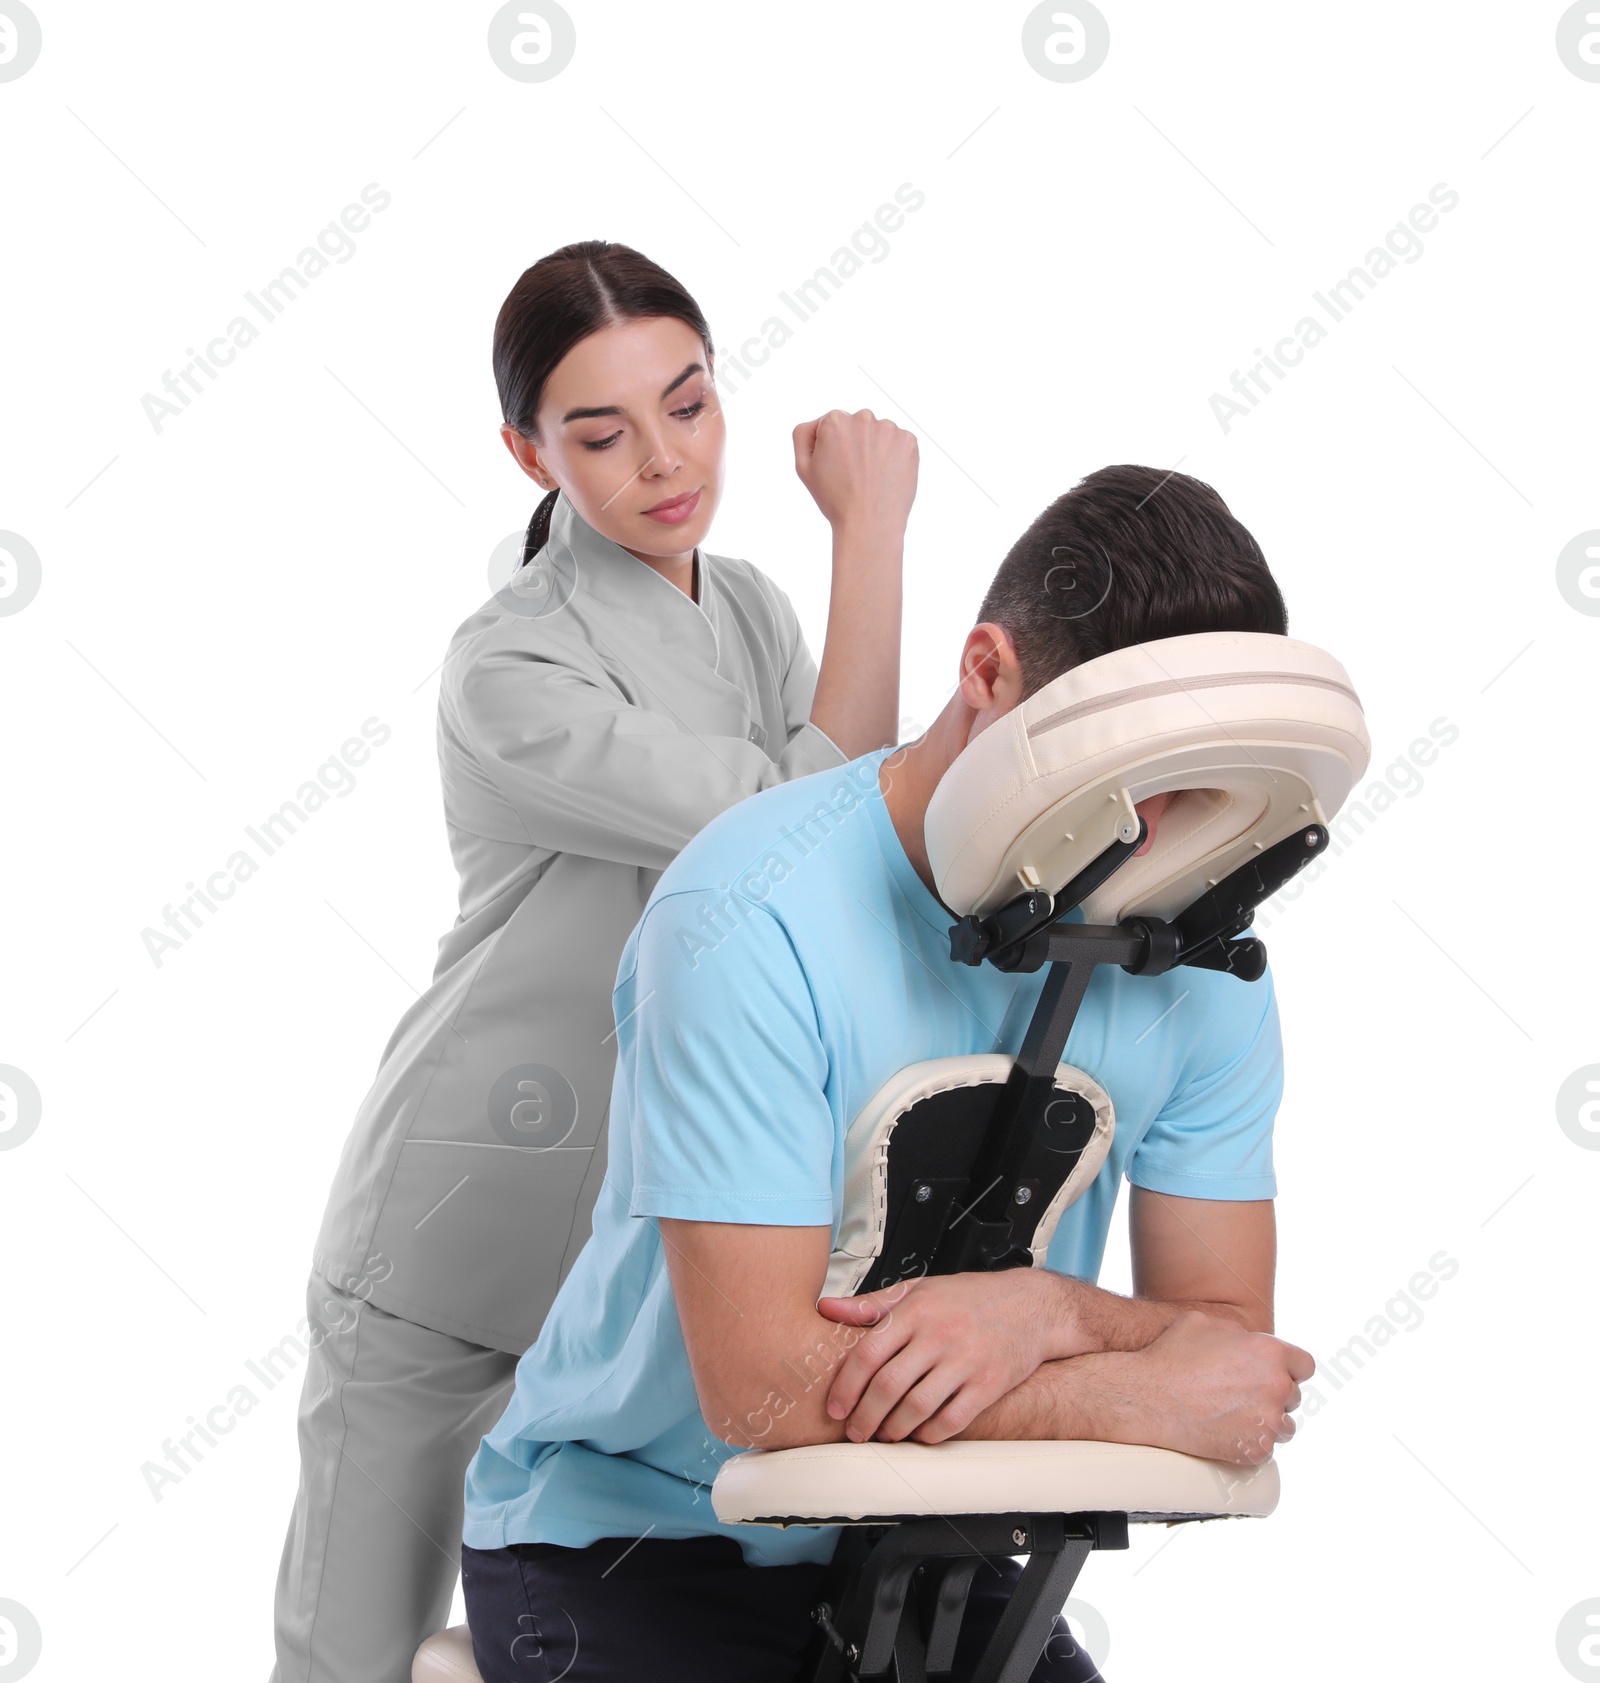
1085	1319
1067	1329
1088	1397
1112	1394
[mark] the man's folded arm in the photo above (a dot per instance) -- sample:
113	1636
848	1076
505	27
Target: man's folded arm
713	1045
1205	1386
761	1355
762	1359
1207	1255
1219	1255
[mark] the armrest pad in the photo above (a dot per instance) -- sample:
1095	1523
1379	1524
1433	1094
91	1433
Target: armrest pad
859	1483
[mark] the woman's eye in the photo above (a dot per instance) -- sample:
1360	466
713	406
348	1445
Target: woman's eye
687	413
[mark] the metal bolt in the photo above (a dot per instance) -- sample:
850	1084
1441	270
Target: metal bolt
1311	838
1019	1537
923	1193
1022	1194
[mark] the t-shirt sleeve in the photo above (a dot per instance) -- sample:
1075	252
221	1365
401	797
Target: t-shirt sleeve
1213	1137
721	1069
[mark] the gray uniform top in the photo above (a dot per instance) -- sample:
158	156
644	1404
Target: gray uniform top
592	718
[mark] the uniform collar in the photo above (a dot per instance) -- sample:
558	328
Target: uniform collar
605	570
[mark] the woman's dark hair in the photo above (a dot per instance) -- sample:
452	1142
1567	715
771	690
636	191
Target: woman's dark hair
1129	555
563	298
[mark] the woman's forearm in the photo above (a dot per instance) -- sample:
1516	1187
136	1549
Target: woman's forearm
857	698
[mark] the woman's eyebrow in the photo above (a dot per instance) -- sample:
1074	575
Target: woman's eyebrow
615	409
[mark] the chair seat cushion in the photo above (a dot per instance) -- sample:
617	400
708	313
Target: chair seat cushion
858	1483
446	1657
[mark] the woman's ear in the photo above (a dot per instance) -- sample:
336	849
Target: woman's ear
526	453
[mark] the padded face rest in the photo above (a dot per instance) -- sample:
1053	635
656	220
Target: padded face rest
1258	734
865	1215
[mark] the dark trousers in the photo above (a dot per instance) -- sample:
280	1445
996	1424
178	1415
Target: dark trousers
682	1610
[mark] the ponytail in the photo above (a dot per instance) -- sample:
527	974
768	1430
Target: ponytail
539	527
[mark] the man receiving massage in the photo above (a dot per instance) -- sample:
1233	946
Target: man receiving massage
793	957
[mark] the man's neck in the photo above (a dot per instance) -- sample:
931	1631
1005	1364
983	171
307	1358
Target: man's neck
909	777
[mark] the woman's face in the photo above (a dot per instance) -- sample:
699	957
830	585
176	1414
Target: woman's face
629	421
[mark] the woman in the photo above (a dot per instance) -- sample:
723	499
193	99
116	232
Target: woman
623	690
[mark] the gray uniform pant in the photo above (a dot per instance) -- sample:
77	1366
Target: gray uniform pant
390	1415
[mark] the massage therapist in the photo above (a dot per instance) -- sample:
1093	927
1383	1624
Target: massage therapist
625	688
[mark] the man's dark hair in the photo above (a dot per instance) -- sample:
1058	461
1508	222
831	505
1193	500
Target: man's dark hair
1128	555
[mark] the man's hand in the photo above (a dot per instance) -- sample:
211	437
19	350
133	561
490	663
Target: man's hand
1205	1387
942	1349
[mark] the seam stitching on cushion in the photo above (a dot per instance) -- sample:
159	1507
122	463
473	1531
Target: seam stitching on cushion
1179	686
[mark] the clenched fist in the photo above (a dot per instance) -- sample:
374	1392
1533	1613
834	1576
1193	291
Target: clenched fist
858	469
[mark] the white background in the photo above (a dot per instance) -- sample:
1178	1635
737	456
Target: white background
224	601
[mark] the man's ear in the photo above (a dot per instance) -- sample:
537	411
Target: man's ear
991	675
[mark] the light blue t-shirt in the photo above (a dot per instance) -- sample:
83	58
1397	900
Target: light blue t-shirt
789	961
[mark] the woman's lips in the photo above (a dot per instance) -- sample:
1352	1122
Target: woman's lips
677	511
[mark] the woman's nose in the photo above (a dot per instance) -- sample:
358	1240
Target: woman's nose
661	456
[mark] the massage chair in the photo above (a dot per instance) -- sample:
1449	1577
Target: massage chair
968	1163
